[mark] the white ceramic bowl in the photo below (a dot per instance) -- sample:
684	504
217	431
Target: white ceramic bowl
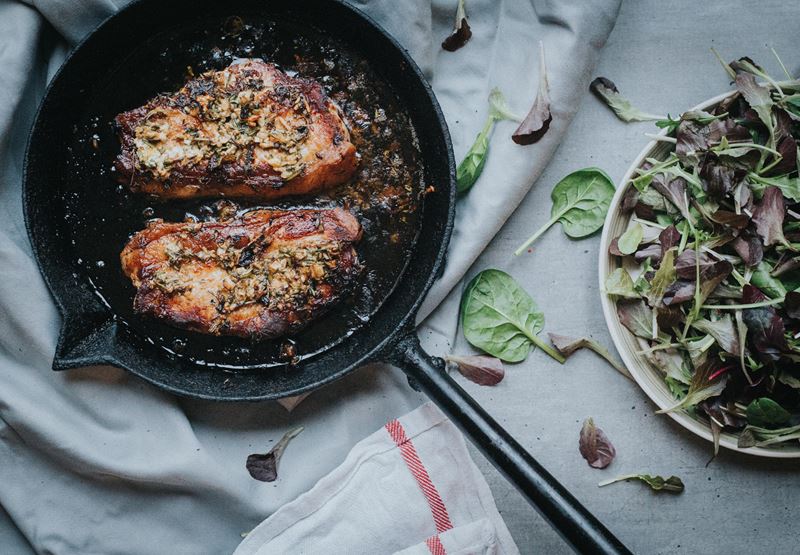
650	378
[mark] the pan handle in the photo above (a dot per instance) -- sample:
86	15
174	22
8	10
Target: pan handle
573	521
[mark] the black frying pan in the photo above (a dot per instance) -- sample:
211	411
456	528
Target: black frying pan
68	205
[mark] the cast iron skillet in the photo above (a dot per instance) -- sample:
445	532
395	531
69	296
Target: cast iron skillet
93	334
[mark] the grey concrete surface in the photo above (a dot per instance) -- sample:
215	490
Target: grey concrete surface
659	56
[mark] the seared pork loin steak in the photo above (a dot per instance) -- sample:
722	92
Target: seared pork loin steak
248	131
262	274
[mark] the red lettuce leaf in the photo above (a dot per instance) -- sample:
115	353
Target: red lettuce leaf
765	328
595	446
768	217
461	32
537	122
265	467
481	369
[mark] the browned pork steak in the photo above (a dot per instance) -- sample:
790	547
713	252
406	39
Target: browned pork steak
249	131
261	275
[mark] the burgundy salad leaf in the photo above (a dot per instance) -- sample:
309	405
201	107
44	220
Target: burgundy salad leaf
461	31
718	307
765	328
750	250
653	252
537	122
694	137
679	292
595	446
674	190
730	219
707	381
481	369
265	467
757	97
719	179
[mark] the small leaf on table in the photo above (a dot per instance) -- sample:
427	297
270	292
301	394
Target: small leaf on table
265	467
595	446
500	317
673	484
580	202
481	369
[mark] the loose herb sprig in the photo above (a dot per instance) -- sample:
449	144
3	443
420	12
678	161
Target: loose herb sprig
472	165
714	244
673	484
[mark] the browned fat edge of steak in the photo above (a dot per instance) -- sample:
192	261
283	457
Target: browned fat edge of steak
263	275
263	114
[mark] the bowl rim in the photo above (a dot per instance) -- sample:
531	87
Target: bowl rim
638	368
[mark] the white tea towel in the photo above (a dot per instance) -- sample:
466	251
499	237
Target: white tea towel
90	459
410	487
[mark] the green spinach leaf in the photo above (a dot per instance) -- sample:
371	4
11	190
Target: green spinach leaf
580	203
764	412
471	166
501	318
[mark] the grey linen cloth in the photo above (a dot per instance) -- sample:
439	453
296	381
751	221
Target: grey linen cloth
94	461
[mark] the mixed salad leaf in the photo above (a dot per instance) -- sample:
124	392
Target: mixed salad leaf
710	261
538	120
471	167
461	30
594	445
480	369
264	467
580	202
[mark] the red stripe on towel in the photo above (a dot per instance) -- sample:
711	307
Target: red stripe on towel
435	546
414	464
